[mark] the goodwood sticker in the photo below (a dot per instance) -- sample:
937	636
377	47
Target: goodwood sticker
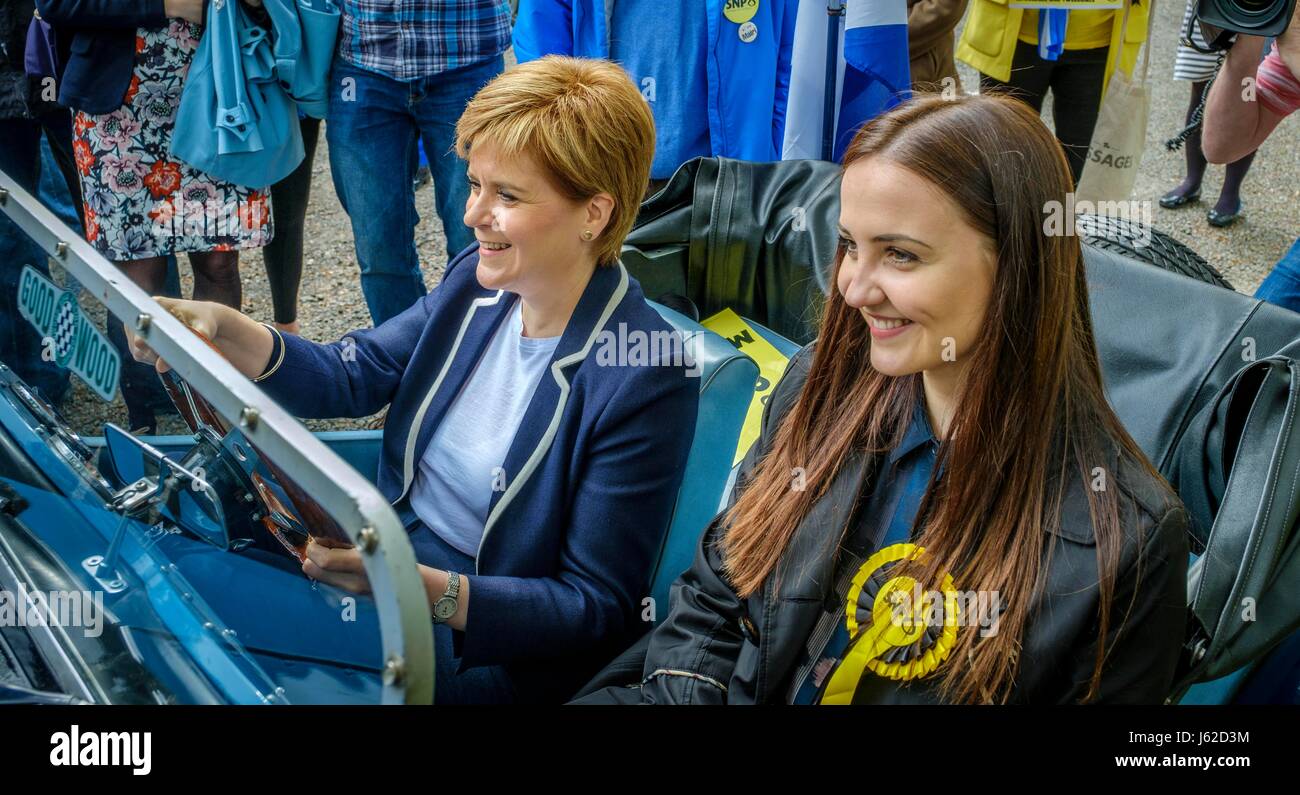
77	344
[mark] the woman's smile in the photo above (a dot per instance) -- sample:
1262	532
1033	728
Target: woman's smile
490	248
884	327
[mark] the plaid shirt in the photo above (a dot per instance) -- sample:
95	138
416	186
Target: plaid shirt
410	39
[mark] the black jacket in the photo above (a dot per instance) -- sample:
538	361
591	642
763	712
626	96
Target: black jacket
97	39
714	647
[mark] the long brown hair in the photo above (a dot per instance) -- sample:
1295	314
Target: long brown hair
1030	409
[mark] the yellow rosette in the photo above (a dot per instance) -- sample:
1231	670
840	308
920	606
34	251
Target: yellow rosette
896	630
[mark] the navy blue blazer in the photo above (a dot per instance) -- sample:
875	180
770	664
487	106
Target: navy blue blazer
97	43
591	477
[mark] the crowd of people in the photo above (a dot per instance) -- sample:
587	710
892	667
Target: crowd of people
513	461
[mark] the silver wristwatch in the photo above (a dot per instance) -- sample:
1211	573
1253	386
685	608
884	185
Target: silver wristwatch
445	607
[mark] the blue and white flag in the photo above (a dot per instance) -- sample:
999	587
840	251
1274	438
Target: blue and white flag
871	73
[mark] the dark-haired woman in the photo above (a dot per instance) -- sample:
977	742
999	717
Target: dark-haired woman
942	507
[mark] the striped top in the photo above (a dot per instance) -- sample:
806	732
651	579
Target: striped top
1278	89
1190	63
410	39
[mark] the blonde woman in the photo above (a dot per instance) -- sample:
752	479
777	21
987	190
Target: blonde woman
537	480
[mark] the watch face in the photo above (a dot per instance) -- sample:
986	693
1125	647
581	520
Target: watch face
444	608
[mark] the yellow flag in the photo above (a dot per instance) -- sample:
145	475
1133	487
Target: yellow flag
771	365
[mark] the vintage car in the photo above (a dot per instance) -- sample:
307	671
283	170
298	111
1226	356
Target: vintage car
163	569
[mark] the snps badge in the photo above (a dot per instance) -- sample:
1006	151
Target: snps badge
78	345
740	11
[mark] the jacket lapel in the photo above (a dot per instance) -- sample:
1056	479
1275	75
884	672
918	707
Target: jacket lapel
477	326
537	429
807	569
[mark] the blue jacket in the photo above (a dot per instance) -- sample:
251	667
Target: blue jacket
98	42
749	83
591	476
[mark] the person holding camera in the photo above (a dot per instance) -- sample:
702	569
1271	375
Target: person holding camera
1238	119
1196	63
1247	102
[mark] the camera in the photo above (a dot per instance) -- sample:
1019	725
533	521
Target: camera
1222	20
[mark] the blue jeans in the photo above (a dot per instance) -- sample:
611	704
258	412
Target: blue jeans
372	128
488	684
1282	285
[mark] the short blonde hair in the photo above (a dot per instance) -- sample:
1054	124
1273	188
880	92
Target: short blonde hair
585	124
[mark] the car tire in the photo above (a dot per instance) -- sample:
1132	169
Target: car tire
1126	237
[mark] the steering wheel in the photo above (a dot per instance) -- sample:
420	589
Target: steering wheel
291	521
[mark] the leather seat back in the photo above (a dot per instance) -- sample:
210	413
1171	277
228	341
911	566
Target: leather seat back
727	379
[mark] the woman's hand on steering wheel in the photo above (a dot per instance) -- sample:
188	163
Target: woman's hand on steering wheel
336	565
246	343
201	316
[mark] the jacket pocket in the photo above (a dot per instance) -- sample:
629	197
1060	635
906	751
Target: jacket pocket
987	26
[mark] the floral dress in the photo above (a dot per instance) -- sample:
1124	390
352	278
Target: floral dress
140	202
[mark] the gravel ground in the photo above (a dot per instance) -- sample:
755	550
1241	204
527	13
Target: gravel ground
331	302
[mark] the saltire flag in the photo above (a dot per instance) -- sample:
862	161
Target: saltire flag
870	70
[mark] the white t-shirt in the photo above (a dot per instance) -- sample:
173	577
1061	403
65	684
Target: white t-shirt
461	467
